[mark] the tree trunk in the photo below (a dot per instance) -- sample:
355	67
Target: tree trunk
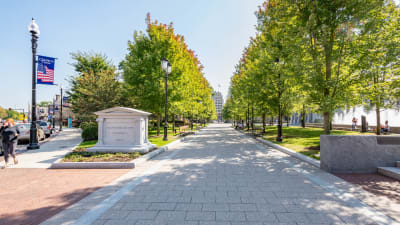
173	123
191	123
263	118
303	117
158	124
328	74
378	119
327	129
252	117
287	121
248	117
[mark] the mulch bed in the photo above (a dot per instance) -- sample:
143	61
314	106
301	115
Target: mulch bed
84	156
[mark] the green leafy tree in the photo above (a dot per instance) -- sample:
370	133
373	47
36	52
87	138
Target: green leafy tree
96	86
44	103
85	62
3	113
189	94
377	54
329	27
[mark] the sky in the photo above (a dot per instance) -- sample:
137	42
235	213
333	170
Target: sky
217	31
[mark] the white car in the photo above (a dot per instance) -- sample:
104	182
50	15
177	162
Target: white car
24	129
46	127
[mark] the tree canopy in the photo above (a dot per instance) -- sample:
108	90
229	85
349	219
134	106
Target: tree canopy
189	93
318	56
95	87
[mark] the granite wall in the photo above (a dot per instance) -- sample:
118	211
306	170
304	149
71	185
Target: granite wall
358	154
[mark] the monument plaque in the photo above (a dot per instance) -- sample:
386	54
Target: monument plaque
122	130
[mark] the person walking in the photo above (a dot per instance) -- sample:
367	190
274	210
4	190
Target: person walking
9	133
354	124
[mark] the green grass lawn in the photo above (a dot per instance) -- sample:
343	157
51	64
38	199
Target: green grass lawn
158	140
303	140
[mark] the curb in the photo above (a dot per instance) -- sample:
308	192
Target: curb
112	165
288	151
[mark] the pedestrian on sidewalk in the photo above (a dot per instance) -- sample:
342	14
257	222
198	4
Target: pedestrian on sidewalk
9	133
354	124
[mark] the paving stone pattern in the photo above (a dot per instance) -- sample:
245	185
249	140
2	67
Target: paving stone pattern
221	176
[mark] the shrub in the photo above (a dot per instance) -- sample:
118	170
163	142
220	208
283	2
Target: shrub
84	125
89	131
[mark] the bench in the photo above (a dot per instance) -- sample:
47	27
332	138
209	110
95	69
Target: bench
257	131
183	130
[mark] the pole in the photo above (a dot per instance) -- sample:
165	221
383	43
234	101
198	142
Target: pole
61	108
165	109
33	142
54	113
279	137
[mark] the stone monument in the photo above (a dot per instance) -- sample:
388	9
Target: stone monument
122	130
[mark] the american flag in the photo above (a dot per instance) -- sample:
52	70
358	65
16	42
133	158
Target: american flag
47	76
45	70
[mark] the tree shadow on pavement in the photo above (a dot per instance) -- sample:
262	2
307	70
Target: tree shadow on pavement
38	215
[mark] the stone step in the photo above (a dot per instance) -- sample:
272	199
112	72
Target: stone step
393	172
398	164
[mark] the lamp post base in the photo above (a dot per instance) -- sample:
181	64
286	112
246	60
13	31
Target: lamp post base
33	146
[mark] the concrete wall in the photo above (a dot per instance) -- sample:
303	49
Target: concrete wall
358	154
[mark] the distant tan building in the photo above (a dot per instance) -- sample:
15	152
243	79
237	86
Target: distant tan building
219	103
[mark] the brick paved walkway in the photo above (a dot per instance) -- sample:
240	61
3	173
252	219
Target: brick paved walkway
30	196
223	177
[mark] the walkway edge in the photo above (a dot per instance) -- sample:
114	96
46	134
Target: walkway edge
291	152
288	151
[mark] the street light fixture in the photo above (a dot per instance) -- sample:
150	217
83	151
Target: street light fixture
35	32
166	66
279	137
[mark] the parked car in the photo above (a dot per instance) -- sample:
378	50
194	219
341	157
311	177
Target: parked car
46	127
24	129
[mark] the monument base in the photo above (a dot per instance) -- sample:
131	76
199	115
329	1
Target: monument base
120	148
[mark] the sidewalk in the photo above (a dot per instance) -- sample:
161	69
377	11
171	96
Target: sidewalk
222	177
49	152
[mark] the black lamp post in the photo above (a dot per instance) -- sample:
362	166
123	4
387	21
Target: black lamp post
34	30
54	114
166	66
279	137
61	107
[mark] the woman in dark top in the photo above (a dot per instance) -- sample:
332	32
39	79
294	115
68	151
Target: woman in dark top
9	134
